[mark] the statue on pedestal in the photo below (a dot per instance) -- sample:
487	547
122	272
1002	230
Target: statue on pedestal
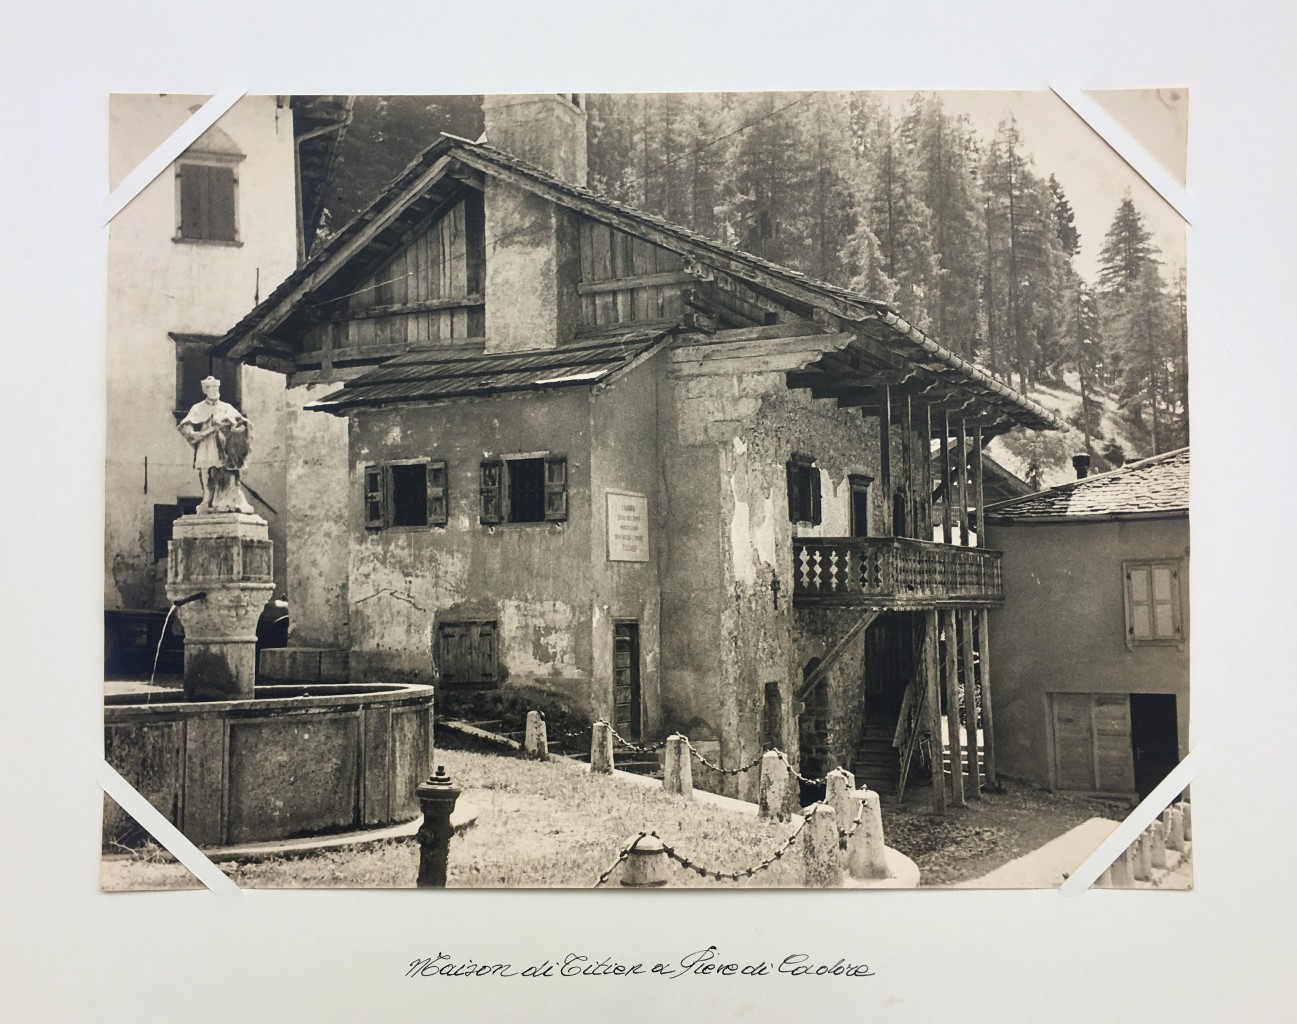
221	438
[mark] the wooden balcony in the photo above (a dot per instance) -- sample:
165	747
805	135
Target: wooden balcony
894	572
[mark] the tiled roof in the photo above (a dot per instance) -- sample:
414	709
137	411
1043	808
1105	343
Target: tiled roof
442	373
1155	486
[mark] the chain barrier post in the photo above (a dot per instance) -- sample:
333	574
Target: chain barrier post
1144	855
1159	845
774	785
601	760
1123	873
839	789
1175	829
677	776
866	856
535	742
646	864
823	860
437	800
1186	813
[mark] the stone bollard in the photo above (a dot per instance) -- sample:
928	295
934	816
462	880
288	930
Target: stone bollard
1144	856
646	864
677	776
1175	836
601	748
437	799
820	849
535	743
1159	845
839	793
774	787
865	856
1123	870
1185	809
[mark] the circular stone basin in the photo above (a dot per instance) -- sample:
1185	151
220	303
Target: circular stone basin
296	760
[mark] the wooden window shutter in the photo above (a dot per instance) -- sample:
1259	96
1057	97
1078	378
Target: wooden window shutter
437	494
491	488
1166	623
220	204
484	652
814	479
556	489
1139	612
794	493
375	519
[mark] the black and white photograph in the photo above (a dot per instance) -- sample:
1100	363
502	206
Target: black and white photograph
584	490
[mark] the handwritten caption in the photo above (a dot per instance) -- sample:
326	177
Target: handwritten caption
700	963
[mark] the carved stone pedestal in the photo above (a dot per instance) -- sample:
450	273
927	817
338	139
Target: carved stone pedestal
227	557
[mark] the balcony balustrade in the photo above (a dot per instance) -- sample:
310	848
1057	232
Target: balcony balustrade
894	572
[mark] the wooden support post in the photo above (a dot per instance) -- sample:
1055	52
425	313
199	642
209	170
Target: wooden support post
866	856
820	848
962	455
601	757
907	448
979	489
885	458
950	674
839	793
775	785
535	742
927	472
677	776
646	864
933	682
988	725
968	678
947	534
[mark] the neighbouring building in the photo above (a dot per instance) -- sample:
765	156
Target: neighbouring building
1092	643
550	444
187	256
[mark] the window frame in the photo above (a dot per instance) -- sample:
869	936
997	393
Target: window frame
862	484
1177	636
805	490
493	489
378	502
228	371
479	624
229	162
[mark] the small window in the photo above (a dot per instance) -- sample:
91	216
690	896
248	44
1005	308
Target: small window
1152	603
164	517
405	494
466	653
194	361
207	202
524	490
803	490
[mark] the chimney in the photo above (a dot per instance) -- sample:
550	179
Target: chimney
533	255
1081	463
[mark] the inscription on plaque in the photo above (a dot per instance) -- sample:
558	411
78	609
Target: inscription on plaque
627	526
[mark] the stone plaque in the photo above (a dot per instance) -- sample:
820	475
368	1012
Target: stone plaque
627	526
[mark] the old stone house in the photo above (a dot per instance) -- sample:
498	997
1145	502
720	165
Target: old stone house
541	441
1092	673
186	257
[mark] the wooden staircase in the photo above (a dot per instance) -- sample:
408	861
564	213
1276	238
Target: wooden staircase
878	765
963	767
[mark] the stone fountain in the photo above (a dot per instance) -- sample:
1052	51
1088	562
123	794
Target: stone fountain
232	763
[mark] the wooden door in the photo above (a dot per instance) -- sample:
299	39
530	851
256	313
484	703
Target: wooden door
626	681
1155	737
1092	749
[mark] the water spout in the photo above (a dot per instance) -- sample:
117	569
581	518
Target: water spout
167	622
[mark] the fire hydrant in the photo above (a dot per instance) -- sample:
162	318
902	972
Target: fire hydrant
437	799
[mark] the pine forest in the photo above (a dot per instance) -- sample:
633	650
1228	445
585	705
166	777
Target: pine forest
963	235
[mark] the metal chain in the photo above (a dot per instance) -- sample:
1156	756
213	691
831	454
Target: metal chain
844	834
622	741
734	876
717	768
621	856
793	768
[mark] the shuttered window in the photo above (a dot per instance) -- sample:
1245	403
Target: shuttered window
556	489
524	490
1152	603
194	361
804	490
466	653
207	203
405	494
492	491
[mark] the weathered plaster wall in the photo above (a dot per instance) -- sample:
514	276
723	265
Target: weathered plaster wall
1063	629
743	430
532	578
624	425
157	286
532	266
316	526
